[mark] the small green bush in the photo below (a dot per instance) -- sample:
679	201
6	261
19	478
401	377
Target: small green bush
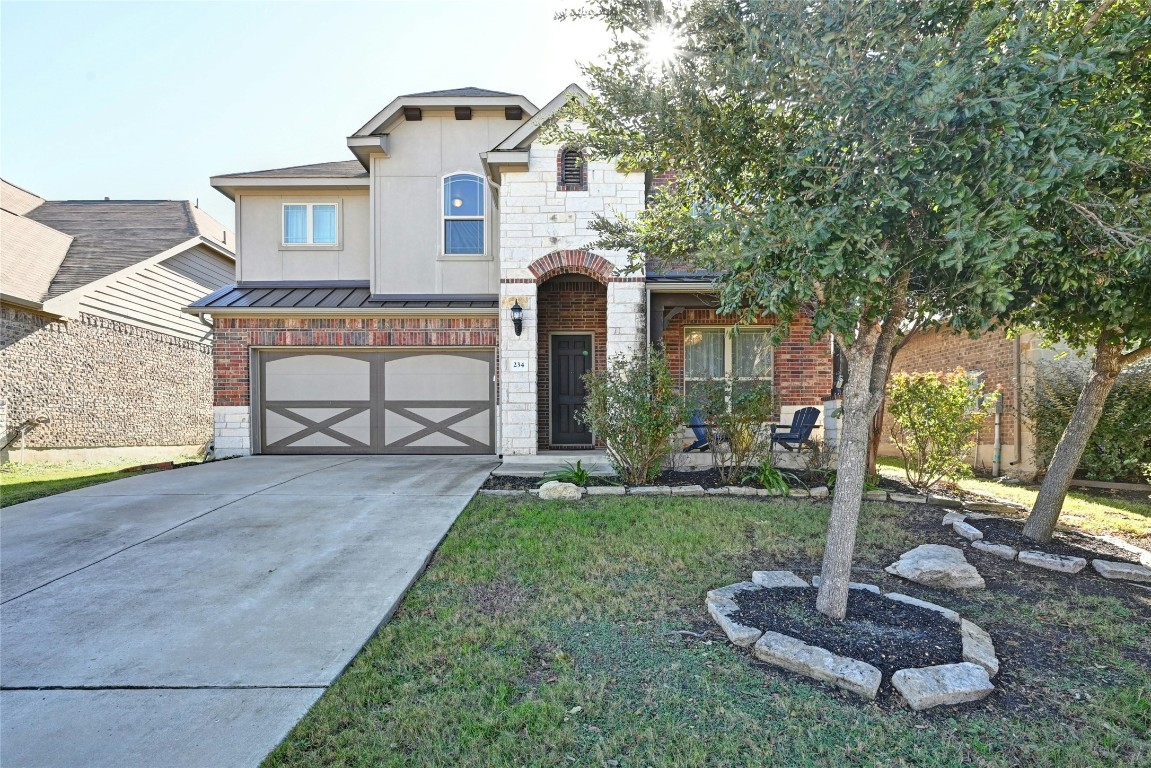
634	405
935	422
737	416
576	474
1120	446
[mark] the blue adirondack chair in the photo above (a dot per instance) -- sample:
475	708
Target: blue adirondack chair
698	428
798	432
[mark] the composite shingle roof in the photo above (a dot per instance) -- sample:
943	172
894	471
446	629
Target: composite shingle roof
468	92
110	235
333	295
340	169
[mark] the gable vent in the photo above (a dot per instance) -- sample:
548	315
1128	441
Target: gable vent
572	171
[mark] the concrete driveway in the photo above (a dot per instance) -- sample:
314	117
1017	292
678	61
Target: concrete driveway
191	617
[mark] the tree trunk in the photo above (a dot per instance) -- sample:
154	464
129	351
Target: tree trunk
849	477
1105	368
873	441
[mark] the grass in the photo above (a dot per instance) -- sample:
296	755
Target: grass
542	634
24	482
1089	512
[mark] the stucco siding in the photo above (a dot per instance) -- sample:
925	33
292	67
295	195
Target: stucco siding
259	224
407	203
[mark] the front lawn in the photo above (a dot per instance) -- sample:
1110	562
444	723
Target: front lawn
24	482
1091	511
547	634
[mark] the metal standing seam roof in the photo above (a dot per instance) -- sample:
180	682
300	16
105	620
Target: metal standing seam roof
333	296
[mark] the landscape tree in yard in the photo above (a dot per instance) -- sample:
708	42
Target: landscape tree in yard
855	162
1092	289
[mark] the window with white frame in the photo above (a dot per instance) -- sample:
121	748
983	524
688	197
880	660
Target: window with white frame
464	214
743	355
311	223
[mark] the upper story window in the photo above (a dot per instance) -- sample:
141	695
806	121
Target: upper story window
571	170
463	214
721	353
311	223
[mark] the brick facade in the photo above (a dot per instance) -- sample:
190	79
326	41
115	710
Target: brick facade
801	370
993	353
103	383
571	303
235	336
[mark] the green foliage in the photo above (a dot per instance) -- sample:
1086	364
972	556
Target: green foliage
634	405
935	420
569	473
773	479
1120	446
737	417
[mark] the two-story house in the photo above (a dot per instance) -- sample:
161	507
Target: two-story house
436	294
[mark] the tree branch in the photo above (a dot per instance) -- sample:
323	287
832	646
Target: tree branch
1135	355
1095	17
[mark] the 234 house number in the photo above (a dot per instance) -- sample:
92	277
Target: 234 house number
519	365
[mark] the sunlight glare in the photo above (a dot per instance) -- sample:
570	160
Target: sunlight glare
662	46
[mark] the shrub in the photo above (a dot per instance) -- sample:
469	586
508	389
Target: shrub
576	474
1121	442
737	417
634	406
935	420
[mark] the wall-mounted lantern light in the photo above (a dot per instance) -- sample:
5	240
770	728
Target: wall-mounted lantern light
518	317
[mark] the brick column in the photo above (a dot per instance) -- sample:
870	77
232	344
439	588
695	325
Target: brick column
518	365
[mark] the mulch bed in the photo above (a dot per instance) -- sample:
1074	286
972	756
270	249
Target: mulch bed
1069	543
885	633
708	478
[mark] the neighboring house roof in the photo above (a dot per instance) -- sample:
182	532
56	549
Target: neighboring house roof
334	295
17	200
459	93
56	247
109	235
32	254
340	169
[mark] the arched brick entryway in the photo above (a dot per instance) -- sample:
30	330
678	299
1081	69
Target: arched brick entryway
572	262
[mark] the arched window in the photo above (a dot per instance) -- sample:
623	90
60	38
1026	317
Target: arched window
464	214
571	170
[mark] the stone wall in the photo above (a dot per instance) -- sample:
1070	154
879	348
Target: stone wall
545	226
103	383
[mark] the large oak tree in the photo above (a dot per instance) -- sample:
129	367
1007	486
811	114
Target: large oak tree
865	163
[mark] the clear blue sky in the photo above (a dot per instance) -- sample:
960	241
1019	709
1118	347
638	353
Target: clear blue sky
147	100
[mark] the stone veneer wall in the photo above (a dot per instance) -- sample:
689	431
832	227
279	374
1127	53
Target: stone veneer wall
542	222
802	370
103	383
568	304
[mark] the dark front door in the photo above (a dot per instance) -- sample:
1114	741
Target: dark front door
571	359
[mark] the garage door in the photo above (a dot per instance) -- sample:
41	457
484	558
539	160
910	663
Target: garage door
333	401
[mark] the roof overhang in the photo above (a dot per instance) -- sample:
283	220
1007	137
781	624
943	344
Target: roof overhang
27	304
394	112
495	162
363	147
230	185
522	136
654	285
